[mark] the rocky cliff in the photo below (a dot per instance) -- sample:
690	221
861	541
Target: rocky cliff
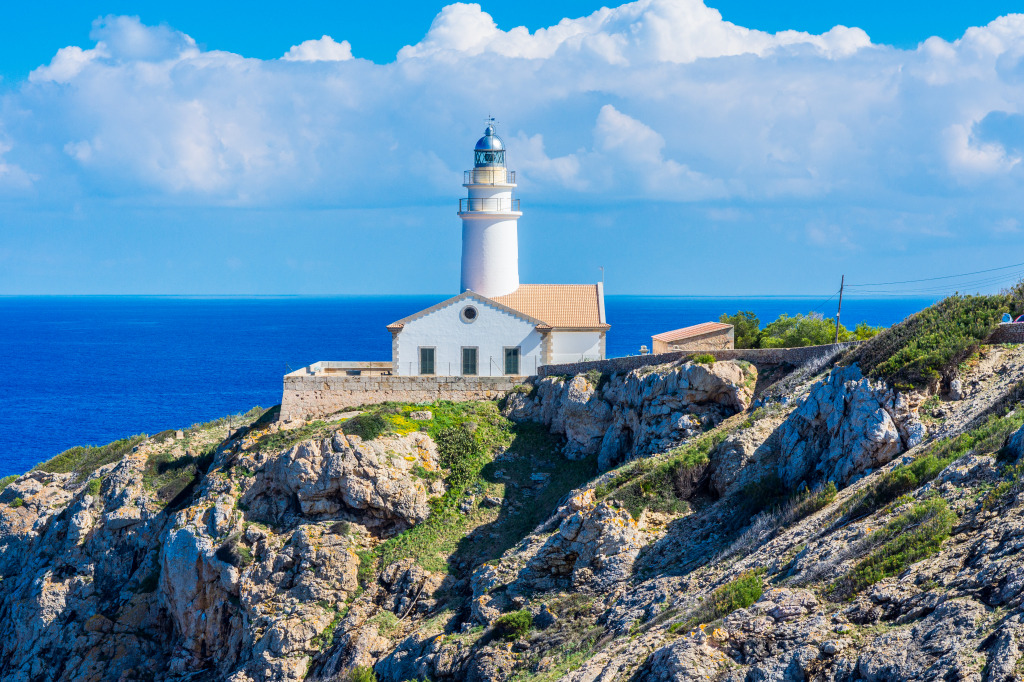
661	524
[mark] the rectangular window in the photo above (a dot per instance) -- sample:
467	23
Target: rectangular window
469	361
512	360
426	360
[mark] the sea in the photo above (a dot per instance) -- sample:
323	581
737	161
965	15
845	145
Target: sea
88	370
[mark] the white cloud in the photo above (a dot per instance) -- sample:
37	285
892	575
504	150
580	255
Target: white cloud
679	31
323	50
657	100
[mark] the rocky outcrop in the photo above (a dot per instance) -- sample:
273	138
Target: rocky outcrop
846	425
371	480
645	410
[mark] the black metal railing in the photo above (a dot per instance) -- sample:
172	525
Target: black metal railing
488	205
489	176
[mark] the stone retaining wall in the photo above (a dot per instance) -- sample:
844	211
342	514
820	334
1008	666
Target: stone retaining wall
756	356
1007	333
316	396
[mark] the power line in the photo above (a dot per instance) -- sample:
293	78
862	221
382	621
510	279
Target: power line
932	279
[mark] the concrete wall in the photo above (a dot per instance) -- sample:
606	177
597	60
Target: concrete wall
757	356
313	397
1007	333
446	331
575	346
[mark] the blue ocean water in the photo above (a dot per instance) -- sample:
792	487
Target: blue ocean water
88	370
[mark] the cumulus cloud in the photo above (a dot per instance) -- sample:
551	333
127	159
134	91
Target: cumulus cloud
658	100
323	50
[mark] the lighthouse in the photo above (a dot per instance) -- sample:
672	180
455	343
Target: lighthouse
490	215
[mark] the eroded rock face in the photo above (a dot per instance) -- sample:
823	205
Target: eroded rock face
845	426
644	411
372	479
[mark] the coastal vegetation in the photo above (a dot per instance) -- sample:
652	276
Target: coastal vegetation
930	345
794	331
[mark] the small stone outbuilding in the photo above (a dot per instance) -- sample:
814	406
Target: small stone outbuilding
704	336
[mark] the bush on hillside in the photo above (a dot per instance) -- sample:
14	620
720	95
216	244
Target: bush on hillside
929	345
513	625
704	359
368	425
362	673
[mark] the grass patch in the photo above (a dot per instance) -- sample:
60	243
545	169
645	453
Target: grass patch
282	440
930	344
85	459
368	425
362	673
7	480
173	477
913	535
663	484
515	625
989	437
253	416
325	639
386	623
739	593
468	436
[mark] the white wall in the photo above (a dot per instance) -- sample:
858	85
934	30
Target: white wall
575	346
491	332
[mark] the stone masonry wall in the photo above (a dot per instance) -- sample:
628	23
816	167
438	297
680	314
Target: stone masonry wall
1007	333
313	397
756	356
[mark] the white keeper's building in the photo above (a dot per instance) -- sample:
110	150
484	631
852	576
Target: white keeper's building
498	326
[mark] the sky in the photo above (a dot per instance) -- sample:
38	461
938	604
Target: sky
730	148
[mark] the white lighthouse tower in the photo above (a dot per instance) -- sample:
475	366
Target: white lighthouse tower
490	245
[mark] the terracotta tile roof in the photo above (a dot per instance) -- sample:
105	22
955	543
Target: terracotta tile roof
689	332
562	306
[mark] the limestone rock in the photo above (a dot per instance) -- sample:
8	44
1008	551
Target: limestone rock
643	411
845	426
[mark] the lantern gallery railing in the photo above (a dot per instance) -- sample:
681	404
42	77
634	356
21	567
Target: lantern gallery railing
489	176
489	205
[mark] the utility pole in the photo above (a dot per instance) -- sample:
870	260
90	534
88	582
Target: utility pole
839	310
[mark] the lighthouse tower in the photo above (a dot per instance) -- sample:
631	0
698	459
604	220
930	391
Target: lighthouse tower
490	245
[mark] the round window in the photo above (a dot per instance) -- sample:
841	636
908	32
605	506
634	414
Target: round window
469	313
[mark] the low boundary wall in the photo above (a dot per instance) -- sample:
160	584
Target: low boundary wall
1012	332
316	396
756	356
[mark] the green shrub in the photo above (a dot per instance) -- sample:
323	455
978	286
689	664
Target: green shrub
459	452
513	625
83	460
362	673
739	593
929	345
7	480
368	425
913	535
17	502
704	359
341	528
93	488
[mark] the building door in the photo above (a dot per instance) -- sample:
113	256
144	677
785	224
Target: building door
426	360
469	357
512	360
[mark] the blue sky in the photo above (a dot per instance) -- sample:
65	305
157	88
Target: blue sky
736	148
